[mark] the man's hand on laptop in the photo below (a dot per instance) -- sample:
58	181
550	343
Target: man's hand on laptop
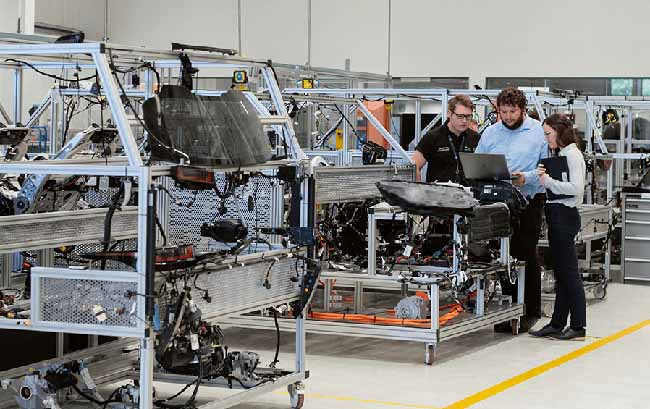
518	178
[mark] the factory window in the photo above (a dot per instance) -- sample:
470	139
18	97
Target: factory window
645	87
431	82
622	86
585	86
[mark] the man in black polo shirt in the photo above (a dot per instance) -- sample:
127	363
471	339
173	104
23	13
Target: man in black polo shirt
440	147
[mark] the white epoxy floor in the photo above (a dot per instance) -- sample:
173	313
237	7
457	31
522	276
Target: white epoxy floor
364	373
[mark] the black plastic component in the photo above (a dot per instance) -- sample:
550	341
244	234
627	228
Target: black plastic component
187	70
490	222
73	38
309	280
225	230
499	192
181	46
371	153
104	135
287	173
13	135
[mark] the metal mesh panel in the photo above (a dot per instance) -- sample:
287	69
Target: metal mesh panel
82	301
185	222
100	198
242	288
355	183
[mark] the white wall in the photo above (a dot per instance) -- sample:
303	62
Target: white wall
350	29
85	15
9	15
157	23
581	38
577	38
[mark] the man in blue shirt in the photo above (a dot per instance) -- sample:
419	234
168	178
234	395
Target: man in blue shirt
521	139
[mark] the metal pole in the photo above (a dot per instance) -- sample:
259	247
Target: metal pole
146	373
456	242
480	296
55	99
27	16
143	269
390	17
239	25
309	34
620	148
346	133
628	133
18	95
418	121
60	344
372	243
521	284
105	21
589	131
300	343
444	101
435	309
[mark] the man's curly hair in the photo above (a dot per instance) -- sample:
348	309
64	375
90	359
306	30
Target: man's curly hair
513	97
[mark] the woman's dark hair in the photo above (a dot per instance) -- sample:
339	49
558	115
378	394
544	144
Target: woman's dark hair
563	126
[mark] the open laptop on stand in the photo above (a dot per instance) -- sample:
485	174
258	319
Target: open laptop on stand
485	166
490	180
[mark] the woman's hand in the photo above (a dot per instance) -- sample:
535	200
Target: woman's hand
542	175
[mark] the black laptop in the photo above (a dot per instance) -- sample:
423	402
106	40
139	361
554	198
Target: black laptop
485	166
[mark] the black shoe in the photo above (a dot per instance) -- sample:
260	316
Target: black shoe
571	334
546	331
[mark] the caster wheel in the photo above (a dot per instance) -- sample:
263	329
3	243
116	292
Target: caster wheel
296	396
600	292
299	401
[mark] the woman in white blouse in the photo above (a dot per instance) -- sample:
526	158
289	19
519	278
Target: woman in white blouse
563	221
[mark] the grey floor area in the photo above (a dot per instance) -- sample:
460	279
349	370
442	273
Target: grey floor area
363	373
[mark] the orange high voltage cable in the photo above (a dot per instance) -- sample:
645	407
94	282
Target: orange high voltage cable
454	311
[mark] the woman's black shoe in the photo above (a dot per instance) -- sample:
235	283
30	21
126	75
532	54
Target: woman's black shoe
546	331
571	334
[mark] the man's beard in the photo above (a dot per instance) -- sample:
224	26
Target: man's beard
516	125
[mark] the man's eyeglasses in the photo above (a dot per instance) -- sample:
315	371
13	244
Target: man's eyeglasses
463	117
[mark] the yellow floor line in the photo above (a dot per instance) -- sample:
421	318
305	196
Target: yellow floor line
516	380
359	400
